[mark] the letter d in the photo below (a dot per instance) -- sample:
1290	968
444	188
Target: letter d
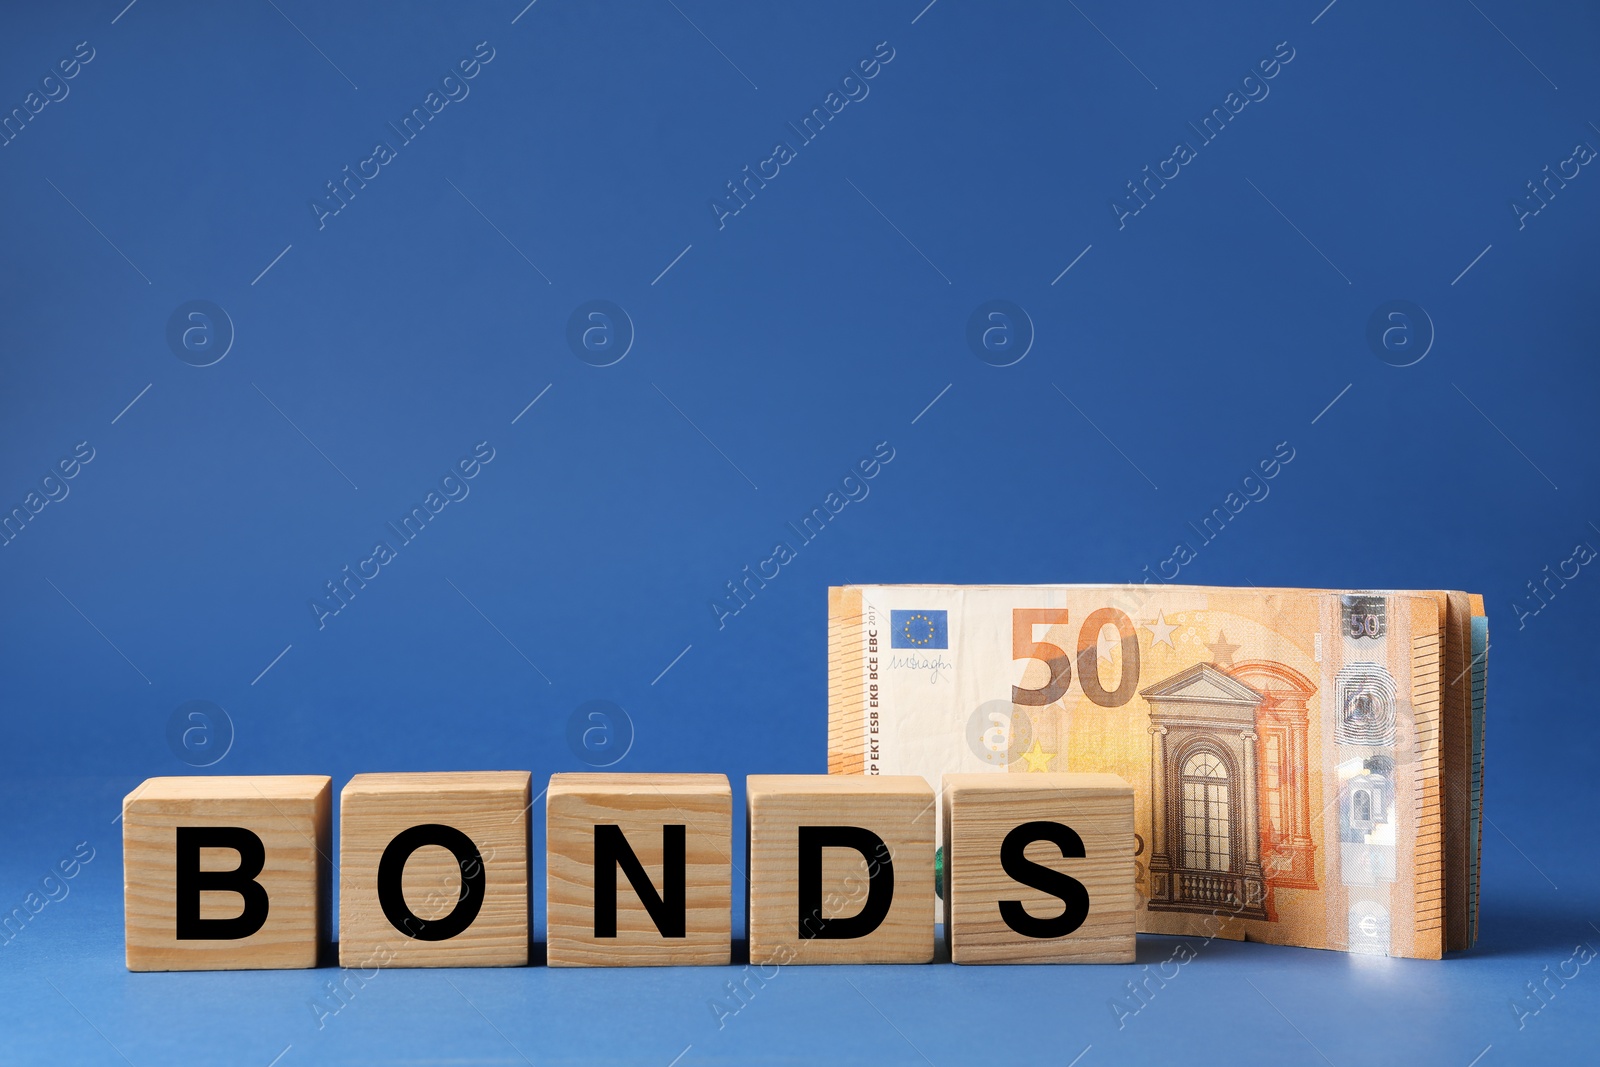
880	882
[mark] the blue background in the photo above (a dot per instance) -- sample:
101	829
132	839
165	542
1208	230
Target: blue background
769	356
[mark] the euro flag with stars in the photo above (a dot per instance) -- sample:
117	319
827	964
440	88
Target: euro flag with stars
919	629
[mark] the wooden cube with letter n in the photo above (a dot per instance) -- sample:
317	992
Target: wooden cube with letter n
670	837
433	870
840	868
226	873
1039	868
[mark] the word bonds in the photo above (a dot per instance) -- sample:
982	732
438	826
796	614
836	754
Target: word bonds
435	870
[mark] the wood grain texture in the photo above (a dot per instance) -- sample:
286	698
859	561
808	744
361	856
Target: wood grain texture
490	808
291	814
981	809
641	805
898	809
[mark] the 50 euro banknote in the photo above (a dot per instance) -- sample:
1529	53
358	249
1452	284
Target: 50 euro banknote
1307	764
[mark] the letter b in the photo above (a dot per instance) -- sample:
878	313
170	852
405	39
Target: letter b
224	872
192	881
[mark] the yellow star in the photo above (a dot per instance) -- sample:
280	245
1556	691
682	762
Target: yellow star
1038	759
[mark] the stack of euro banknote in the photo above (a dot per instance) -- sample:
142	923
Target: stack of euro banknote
1307	764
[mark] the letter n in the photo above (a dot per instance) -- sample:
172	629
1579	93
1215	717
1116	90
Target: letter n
668	909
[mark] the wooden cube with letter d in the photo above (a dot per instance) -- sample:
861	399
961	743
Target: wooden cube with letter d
840	868
1039	868
669	837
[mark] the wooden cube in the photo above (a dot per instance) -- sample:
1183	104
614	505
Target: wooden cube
1038	868
840	868
433	870
638	870
226	873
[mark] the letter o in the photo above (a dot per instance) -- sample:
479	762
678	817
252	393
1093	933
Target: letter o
393	865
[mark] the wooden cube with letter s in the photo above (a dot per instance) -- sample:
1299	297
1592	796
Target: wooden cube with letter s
1039	868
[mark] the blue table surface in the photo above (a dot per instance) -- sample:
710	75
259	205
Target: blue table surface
397	224
68	998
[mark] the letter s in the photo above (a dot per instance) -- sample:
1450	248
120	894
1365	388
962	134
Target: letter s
1074	896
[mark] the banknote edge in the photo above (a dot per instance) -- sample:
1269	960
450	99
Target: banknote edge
846	692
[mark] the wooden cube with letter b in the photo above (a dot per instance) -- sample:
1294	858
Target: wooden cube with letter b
434	871
226	872
670	837
1039	868
840	868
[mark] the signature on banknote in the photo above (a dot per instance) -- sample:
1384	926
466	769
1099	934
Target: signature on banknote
935	665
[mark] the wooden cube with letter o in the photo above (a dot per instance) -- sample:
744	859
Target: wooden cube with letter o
434	870
1039	868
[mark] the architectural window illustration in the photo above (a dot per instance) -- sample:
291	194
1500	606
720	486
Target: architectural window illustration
1205	813
1272	774
1366	824
1205	850
1283	720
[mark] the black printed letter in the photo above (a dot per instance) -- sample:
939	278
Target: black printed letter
392	867
1036	876
192	881
668	909
880	882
